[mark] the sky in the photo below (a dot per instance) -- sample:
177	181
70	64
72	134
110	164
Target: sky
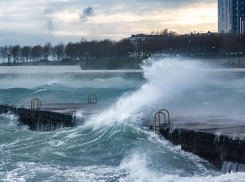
35	22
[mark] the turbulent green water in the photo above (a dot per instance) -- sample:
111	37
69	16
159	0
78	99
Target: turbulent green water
113	145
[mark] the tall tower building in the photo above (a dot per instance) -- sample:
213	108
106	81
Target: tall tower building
231	15
224	16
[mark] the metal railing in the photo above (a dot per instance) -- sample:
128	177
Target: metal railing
92	99
168	115
33	106
158	115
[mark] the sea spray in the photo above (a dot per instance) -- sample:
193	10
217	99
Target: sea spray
168	80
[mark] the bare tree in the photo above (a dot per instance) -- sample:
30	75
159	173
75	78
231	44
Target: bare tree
72	50
59	51
26	52
4	52
123	47
46	50
36	53
15	51
22	55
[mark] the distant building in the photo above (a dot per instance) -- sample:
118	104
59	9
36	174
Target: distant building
230	16
136	40
242	25
143	37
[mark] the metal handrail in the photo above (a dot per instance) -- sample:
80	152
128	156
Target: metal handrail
159	120
33	105
168	115
90	96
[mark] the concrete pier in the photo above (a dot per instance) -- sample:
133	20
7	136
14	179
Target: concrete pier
52	116
220	141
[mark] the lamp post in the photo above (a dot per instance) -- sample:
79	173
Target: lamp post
213	51
129	56
87	57
170	50
9	58
190	48
239	59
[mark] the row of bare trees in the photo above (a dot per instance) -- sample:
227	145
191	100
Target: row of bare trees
157	42
81	50
29	53
98	49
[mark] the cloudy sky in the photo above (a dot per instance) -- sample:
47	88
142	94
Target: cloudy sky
31	22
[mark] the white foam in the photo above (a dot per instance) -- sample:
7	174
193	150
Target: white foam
167	79
137	170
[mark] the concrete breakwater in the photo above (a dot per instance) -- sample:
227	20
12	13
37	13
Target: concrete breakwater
52	116
221	141
216	150
73	76
215	140
73	72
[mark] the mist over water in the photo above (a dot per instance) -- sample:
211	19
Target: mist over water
113	145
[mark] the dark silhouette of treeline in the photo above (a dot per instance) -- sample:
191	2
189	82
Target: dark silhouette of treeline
82	50
157	43
205	44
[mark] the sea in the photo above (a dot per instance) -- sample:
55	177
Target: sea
114	145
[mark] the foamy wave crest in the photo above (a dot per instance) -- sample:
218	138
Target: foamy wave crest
138	171
40	90
167	79
10	122
114	82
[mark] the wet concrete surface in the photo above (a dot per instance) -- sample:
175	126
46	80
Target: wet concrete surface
68	108
54	115
218	125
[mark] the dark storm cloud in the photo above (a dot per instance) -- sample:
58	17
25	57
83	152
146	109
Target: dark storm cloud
48	11
87	12
50	25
